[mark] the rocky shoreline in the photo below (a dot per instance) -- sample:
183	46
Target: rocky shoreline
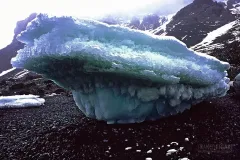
58	130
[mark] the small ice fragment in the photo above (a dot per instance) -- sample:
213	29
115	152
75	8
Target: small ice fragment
185	158
174	143
149	151
128	148
51	95
171	151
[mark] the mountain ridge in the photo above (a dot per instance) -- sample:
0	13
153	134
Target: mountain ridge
10	51
191	25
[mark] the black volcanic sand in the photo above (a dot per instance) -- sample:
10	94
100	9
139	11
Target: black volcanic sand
58	130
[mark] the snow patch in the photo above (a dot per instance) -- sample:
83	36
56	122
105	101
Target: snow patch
7	71
52	95
21	74
214	34
235	10
184	37
164	26
222	1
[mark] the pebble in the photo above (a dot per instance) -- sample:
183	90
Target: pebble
128	148
149	151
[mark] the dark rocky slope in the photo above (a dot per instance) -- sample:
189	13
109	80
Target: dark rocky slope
225	47
192	23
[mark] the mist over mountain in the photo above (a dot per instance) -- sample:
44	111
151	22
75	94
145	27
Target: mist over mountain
10	51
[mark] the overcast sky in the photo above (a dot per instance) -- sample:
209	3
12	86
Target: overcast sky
13	10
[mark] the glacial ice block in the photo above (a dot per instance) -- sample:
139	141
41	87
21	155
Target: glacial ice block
118	74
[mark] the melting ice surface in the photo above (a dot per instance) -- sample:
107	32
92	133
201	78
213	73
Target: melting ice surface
118	74
20	101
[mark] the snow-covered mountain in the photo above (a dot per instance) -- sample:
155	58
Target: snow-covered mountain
230	31
224	43
193	23
149	22
209	43
232	5
161	30
200	25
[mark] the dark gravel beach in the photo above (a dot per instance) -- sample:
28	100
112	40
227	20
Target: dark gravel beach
58	130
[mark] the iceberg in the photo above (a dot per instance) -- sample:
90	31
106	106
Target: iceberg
117	74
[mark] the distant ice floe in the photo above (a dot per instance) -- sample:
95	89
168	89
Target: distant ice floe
20	101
